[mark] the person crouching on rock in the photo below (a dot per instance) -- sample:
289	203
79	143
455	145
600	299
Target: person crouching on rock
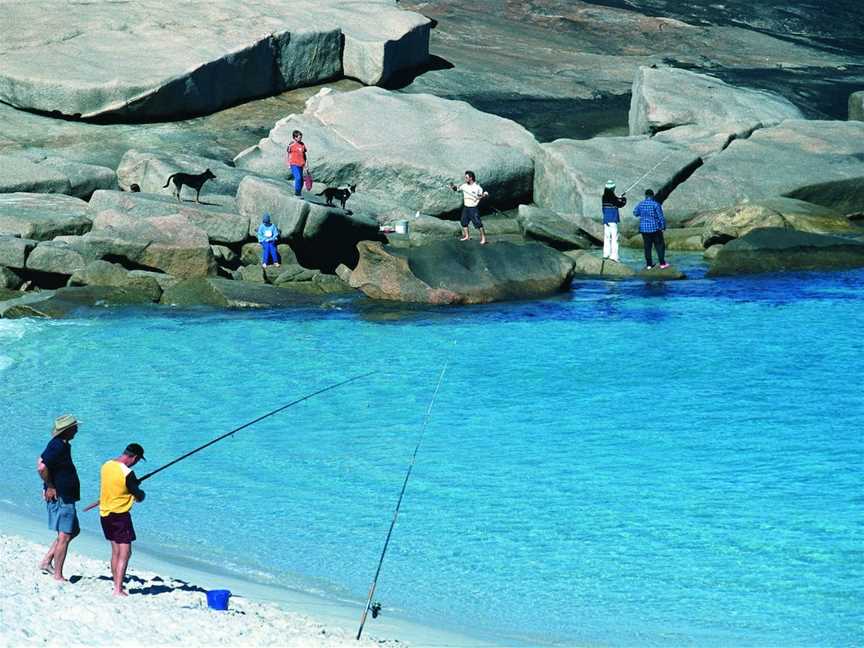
611	218
472	194
652	222
268	236
118	491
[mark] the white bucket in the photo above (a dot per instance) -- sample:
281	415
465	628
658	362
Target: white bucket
401	226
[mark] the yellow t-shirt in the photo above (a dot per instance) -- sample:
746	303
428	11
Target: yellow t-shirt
114	495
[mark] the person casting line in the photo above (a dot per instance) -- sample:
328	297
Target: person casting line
118	491
472	194
611	218
652	222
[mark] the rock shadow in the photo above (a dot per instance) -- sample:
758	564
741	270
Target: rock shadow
405	78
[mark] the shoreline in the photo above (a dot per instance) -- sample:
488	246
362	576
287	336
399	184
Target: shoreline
314	620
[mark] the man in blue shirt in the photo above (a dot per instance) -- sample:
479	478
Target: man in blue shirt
61	489
652	222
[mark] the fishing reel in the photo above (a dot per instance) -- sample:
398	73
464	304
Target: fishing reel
375	608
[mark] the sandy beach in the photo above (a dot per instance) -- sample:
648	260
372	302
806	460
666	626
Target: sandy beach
167	605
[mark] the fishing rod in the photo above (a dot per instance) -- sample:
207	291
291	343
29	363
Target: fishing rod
647	173
377	607
244	426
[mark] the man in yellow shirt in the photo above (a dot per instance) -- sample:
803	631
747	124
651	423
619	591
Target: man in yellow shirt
118	492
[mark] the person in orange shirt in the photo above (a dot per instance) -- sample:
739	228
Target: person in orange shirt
297	160
118	491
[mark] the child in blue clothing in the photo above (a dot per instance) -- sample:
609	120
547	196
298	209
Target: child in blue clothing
268	237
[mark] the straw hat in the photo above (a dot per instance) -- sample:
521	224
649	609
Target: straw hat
63	423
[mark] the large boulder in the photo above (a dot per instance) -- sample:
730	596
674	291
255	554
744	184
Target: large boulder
103	273
150	171
453	272
723	225
221	225
130	61
684	239
171	244
776	161
67	301
42	216
14	251
856	106
55	257
663	98
553	229
776	250
227	293
428	143
83	178
9	279
19	174
570	174
322	237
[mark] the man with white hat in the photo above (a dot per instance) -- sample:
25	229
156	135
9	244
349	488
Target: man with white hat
61	489
611	218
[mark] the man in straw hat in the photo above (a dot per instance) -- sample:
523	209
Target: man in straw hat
60	489
118	491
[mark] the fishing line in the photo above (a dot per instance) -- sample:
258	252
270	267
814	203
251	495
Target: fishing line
244	426
648	172
376	608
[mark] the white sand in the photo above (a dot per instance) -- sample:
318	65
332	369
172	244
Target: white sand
171	610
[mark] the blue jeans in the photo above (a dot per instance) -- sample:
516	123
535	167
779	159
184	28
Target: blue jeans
297	172
269	253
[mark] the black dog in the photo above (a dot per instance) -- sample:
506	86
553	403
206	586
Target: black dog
342	195
193	180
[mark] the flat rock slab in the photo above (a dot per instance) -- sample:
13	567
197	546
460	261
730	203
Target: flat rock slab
222	226
776	161
141	60
404	149
103	273
570	174
22	175
664	97
595	267
778	250
453	272
227	293
42	216
64	302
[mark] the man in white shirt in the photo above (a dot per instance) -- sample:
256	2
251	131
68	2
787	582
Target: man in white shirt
472	194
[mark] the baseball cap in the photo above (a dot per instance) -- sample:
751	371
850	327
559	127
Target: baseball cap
135	450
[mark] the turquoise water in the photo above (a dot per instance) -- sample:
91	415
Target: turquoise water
625	465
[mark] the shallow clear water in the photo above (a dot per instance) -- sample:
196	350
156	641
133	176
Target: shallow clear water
655	465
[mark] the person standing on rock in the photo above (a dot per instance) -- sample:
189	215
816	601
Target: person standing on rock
611	218
268	236
61	489
118	491
296	159
652	222
472	194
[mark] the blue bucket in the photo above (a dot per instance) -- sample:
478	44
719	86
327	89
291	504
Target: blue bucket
218	599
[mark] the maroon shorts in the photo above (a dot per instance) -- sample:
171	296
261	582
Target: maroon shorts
117	527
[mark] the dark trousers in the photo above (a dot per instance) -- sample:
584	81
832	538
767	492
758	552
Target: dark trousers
656	239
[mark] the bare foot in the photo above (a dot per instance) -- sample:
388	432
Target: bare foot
59	578
46	568
483	242
465	238
120	593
